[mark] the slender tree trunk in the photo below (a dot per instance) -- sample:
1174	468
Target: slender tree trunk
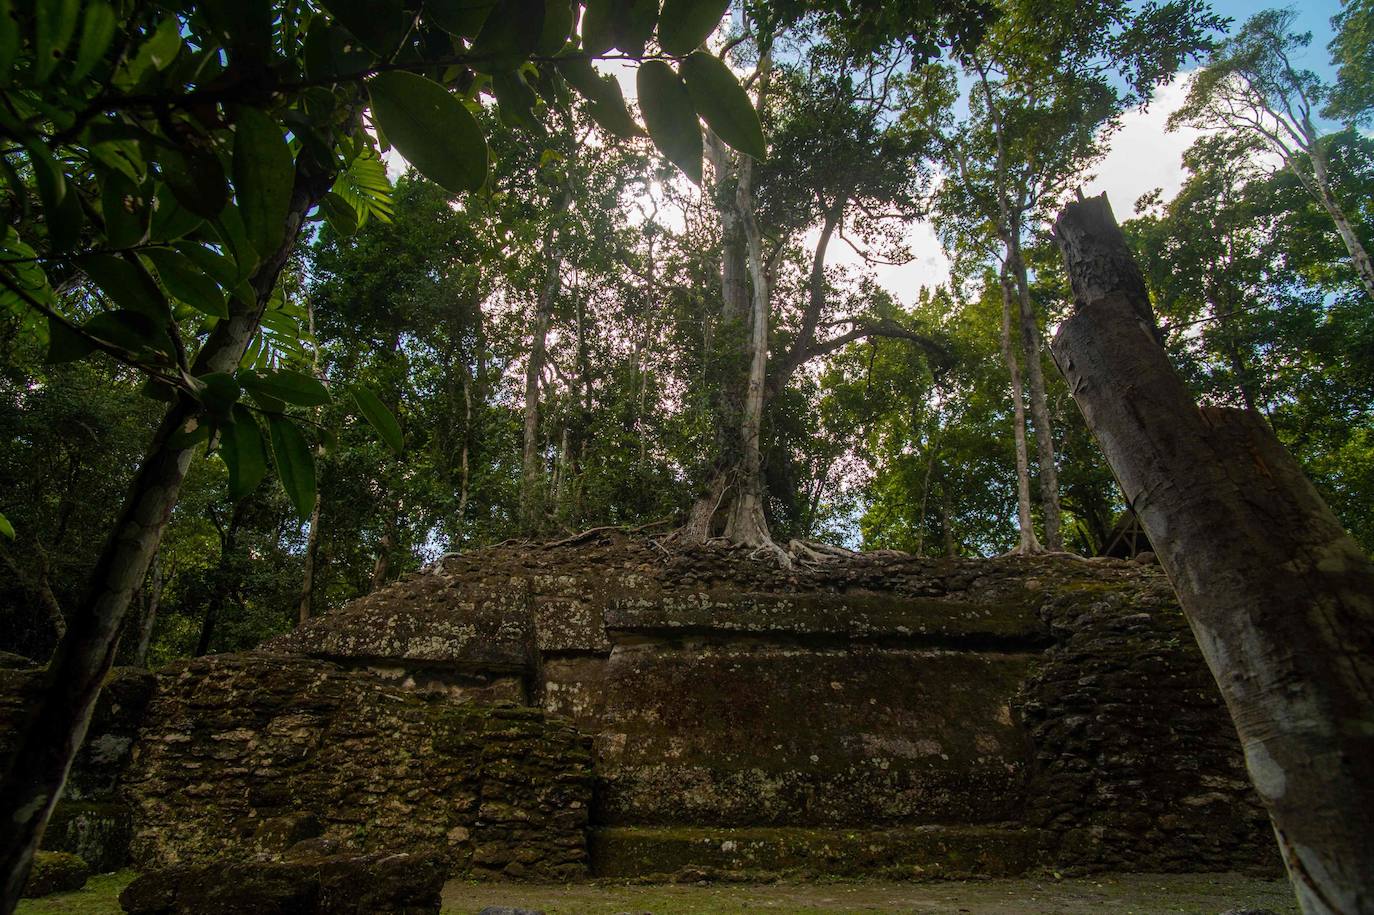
1359	256
1280	598
381	568
306	608
531	465
139	656
464	471
1026	527
49	739
1032	347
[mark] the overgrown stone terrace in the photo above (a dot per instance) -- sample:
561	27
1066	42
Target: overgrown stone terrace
614	706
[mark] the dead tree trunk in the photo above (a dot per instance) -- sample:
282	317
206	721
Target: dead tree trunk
49	738
1027	542
1280	598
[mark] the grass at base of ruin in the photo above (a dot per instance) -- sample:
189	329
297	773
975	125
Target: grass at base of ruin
1121	894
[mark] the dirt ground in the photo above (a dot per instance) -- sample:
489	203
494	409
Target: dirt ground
1130	894
1127	894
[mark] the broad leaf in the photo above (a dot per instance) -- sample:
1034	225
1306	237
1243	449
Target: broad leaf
431	128
54	24
670	116
125	211
379	24
188	283
516	101
130	330
241	449
376	413
509	35
685	24
9	40
458	17
65	344
263	176
295	463
6	529
127	284
723	104
97	31
286	385
220	392
195	177
606	103
558	24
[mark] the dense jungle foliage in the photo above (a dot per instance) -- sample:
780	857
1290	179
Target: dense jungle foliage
559	349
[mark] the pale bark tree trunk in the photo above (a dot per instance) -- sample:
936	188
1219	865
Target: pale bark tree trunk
747	523
532	470
1280	598
1027	540
1359	256
381	567
1032	347
50	737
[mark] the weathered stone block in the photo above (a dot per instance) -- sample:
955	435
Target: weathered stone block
55	872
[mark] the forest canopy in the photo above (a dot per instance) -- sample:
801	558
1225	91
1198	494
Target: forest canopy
560	319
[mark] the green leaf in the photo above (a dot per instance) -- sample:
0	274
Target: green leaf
155	54
606	103
9	40
230	229
379	24
241	449
243	25
220	392
263	176
97	31
509	36
295	463
6	529
125	210
558	25
685	24
54	24
195	177
188	283
463	18
376	413
171	220
342	218
61	207
292	387
130	330
128	285
431	128
670	116
599	26
516	101
723	104
65	344
623	24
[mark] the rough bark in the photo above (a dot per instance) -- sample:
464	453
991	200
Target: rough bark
1280	598
139	656
1027	542
49	739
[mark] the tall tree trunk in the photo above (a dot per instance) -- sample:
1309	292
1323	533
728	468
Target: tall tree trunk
1032	346
1359	256
747	523
1280	598
381	568
1027	541
531	476
49	739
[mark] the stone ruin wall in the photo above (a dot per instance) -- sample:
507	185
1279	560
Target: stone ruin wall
534	711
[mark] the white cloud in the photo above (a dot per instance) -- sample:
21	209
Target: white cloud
1143	155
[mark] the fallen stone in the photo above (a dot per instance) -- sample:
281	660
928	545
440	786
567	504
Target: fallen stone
508	910
55	872
397	884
